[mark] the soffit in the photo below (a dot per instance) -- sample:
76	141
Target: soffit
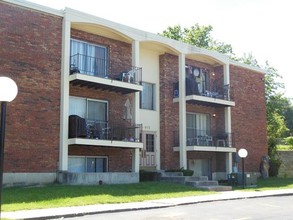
102	31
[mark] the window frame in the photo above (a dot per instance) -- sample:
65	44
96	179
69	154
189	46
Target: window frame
94	100
85	170
148	148
142	103
195	126
105	58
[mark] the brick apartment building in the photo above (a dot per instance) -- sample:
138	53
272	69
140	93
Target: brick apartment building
99	101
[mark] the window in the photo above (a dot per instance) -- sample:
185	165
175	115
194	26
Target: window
87	164
150	143
197	124
147	96
88	108
89	58
200	77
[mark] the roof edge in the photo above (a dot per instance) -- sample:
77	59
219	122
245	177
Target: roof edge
246	66
37	7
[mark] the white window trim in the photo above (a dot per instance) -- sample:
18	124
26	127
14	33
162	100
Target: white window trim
95	157
95	100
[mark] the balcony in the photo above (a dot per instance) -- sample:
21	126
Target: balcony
92	72
206	140
210	96
101	133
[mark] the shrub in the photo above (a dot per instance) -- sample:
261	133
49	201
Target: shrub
275	164
185	172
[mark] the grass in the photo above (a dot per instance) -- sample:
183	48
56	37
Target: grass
52	196
284	147
274	183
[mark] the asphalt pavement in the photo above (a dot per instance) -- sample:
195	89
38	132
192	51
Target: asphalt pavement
63	212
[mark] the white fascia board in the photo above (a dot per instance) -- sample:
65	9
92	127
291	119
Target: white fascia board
246	66
36	7
133	33
139	35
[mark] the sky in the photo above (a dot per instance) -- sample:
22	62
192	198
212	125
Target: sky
260	27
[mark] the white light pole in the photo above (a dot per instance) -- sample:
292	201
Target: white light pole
8	92
242	154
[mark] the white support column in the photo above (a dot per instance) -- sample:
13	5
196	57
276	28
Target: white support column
182	113
64	102
228	128
135	62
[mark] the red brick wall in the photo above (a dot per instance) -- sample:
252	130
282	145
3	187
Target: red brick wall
120	56
249	114
118	160
120	53
30	54
169	111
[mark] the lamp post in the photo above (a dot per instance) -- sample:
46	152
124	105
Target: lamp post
8	92
242	154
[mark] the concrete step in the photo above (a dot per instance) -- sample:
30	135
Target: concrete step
171	174
215	188
197	178
202	183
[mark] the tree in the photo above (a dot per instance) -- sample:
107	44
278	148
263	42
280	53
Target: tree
249	59
199	36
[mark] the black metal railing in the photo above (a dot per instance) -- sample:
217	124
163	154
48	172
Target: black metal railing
223	92
195	137
105	68
102	130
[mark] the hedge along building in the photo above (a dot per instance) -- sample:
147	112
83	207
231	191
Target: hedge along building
99	101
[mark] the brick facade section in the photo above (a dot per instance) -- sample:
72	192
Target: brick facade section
120	53
118	160
169	113
120	56
31	55
31	43
249	114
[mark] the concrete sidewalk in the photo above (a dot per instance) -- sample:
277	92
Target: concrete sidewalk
162	203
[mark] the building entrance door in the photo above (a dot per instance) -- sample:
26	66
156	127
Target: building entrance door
148	153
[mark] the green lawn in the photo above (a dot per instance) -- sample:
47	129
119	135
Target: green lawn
51	196
60	195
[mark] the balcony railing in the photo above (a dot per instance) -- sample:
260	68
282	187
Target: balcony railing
223	92
101	130
105	68
196	137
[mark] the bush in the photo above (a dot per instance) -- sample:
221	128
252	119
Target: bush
274	167
185	172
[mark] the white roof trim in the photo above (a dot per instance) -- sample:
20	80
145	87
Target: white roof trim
35	6
135	34
246	66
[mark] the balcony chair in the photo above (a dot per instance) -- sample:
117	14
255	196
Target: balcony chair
221	139
209	140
